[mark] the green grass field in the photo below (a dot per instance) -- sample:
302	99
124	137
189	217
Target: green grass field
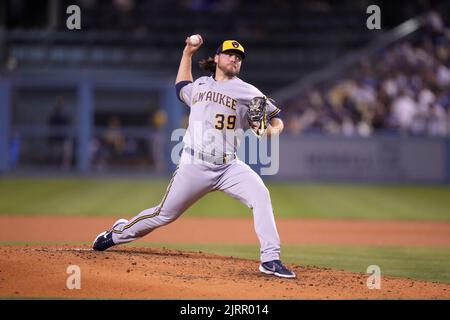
77	196
424	263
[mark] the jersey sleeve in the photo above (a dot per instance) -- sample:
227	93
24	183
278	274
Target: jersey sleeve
184	91
272	111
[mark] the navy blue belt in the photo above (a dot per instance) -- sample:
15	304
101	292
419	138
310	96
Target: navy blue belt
217	160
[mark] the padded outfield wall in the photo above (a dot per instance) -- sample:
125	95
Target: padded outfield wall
391	159
383	159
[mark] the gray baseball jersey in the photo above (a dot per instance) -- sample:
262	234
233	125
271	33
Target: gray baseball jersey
217	112
217	119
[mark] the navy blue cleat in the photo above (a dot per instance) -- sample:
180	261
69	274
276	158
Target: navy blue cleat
104	240
276	268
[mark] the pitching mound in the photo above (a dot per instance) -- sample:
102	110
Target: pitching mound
36	271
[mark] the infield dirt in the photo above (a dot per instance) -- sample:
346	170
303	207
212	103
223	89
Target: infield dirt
36	271
154	273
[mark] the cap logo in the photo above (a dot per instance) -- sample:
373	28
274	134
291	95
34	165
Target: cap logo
235	44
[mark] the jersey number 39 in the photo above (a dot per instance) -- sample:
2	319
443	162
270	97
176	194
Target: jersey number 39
230	121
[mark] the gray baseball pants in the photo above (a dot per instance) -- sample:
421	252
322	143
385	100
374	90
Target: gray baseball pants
192	180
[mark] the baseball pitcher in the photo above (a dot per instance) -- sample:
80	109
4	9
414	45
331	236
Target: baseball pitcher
222	106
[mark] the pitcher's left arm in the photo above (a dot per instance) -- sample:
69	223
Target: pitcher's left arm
275	126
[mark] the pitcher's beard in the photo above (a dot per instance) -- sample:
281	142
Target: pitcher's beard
230	72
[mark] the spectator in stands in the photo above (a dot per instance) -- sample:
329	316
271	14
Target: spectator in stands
439	121
113	140
60	142
122	15
158	139
403	111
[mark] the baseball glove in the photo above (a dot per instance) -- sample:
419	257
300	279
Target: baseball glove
257	115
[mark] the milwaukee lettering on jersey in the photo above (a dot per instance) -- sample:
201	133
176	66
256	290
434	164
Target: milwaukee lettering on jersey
215	105
216	97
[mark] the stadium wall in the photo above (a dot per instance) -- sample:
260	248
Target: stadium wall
378	159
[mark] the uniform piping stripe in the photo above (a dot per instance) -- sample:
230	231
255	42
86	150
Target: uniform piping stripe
155	213
167	191
274	113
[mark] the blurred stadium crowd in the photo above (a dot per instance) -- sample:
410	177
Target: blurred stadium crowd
404	88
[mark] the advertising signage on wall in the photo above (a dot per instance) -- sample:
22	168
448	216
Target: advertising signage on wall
391	159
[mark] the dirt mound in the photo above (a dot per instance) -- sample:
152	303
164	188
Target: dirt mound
41	271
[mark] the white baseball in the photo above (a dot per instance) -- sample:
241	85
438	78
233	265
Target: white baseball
194	40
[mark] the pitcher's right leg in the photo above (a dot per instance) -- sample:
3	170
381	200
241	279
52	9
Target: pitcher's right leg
188	184
242	183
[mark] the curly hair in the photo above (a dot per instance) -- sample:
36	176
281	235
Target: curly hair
208	64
